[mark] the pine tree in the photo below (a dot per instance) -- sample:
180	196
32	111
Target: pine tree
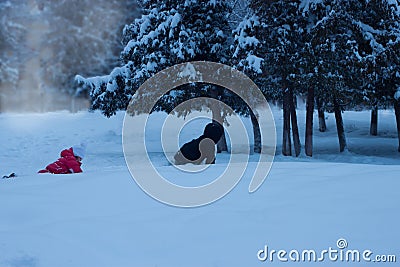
337	47
268	44
168	33
391	78
285	27
380	24
247	56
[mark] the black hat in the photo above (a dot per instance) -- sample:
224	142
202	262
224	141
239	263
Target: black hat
213	131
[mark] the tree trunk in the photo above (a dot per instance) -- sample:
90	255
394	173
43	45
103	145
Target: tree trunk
397	113
73	106
309	122
256	132
321	117
222	145
286	142
339	126
373	130
295	128
216	114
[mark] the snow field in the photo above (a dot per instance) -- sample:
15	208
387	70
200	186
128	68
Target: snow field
102	218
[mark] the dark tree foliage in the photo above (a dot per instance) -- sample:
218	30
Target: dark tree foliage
168	33
342	52
282	36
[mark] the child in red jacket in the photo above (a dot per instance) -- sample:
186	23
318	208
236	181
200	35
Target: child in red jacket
70	161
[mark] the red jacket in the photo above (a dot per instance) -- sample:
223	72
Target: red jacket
66	164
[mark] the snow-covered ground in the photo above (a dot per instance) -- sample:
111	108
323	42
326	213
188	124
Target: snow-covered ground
102	218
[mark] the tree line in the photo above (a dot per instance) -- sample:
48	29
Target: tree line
339	55
44	44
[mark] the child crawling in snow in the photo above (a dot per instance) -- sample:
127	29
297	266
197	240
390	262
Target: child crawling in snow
202	149
70	161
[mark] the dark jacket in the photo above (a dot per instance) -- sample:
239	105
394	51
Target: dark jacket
202	148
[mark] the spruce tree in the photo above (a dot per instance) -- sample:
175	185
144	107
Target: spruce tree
337	46
268	44
168	33
379	20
